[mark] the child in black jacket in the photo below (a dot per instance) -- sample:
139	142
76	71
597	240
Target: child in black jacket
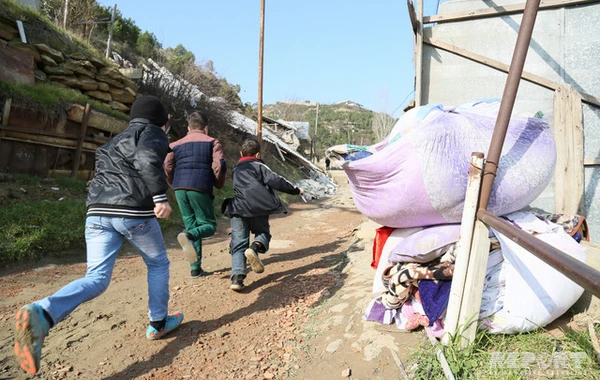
252	203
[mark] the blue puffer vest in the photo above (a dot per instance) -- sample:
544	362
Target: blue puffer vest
194	166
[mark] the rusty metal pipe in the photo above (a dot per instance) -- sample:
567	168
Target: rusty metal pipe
577	271
508	100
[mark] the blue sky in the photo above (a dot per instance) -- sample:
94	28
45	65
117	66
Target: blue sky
319	50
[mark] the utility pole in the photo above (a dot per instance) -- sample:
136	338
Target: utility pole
261	50
317	120
66	14
110	32
313	143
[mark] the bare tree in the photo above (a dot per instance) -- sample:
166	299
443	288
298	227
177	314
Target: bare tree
382	125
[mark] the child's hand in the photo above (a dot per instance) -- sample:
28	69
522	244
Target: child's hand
162	210
301	191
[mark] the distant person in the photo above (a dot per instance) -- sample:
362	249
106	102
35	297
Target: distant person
125	197
327	163
196	165
252	203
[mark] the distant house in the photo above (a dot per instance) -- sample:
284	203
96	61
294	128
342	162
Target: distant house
349	103
294	102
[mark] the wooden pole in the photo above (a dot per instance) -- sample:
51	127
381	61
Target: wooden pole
568	132
5	115
317	120
110	31
463	248
419	57
474	281
261	51
6	111
66	14
79	147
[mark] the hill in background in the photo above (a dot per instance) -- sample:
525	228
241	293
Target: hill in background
340	123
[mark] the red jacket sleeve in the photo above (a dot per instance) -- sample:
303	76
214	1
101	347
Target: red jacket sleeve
219	165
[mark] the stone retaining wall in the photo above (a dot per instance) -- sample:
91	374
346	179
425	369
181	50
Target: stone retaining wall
88	75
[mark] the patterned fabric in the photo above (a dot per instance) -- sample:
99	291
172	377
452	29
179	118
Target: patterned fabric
401	279
572	224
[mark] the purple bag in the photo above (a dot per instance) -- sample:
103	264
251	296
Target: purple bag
426	245
418	174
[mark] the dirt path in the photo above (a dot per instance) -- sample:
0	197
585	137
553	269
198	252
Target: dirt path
271	330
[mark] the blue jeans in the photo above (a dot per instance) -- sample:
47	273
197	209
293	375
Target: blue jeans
103	237
240	239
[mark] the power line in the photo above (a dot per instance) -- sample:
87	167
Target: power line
404	101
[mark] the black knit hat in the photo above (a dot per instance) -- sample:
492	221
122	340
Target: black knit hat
149	107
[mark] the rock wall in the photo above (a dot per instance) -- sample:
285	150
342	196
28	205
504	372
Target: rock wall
88	75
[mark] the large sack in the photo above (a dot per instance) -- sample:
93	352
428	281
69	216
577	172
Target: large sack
535	294
418	174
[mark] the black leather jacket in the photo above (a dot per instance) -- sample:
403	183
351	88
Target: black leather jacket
130	177
253	185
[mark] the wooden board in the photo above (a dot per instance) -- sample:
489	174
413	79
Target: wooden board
504	67
568	134
463	248
501	11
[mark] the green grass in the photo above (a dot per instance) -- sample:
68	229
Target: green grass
523	356
40	29
28	230
52	98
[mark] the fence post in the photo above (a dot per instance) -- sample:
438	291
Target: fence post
471	302
79	147
463	248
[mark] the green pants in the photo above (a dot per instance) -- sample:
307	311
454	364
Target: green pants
198	214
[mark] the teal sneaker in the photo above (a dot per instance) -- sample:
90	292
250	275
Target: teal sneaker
173	322
30	331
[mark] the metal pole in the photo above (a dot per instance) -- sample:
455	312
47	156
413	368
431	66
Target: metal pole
577	271
317	120
508	100
419	57
66	14
261	51
110	31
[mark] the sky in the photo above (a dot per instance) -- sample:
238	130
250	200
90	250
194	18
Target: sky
322	51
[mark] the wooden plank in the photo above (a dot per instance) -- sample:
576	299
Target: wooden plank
463	248
412	15
591	161
43	132
79	147
568	132
471	303
504	67
419	57
45	143
81	174
58	142
500	11
97	119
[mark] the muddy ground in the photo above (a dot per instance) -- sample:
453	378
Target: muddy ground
279	327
